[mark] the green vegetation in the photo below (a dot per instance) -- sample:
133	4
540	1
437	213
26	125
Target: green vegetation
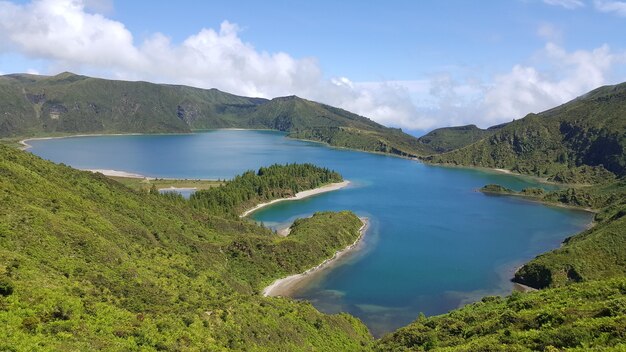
446	139
146	184
580	317
497	189
88	264
583	141
68	104
268	183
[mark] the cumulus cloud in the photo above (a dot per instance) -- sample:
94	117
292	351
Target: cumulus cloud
568	4
615	7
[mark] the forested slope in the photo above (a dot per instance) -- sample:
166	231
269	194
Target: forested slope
582	141
88	264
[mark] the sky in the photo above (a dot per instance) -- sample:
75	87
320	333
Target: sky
416	65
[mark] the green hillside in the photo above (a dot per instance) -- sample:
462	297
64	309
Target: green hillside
88	264
577	142
446	139
580	317
68	104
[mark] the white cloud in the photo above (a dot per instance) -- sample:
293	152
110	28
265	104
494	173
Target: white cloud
530	89
549	32
568	4
65	34
616	7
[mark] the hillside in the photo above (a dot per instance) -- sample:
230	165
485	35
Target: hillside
446	139
34	105
580	317
582	141
88	264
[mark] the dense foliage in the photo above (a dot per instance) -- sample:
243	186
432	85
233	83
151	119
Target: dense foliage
268	183
34	105
87	263
580	317
583	141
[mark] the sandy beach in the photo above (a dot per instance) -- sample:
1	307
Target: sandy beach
25	145
178	189
116	173
504	171
284	286
300	195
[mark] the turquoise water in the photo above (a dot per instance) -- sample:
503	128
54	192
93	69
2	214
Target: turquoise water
434	242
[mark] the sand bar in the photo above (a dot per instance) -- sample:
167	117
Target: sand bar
115	173
300	195
286	285
24	142
178	189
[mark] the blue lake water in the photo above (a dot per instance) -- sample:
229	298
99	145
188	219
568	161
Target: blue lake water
434	242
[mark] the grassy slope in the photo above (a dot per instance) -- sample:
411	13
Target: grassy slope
86	263
67	103
573	143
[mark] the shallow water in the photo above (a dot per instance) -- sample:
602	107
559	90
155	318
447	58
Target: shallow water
434	242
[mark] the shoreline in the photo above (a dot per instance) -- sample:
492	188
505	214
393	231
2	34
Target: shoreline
284	286
300	195
543	202
117	173
175	189
126	174
26	146
494	170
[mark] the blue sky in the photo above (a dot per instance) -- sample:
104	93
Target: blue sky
411	64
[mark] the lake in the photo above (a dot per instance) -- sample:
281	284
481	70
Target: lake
434	242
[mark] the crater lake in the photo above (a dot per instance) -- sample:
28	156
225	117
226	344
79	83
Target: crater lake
434	242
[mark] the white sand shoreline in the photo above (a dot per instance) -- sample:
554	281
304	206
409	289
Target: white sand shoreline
116	173
172	188
25	145
300	195
282	287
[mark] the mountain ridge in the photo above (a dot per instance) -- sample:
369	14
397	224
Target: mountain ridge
69	103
